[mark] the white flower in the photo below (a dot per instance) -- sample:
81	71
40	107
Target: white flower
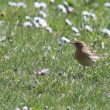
42	71
88	28
40	5
42	13
37	19
89	14
85	13
75	29
25	108
19	4
27	24
43	5
68	22
93	16
107	4
65	40
37	5
36	24
70	9
62	8
42	22
12	4
65	2
17	108
28	17
86	18
106	31
49	29
52	1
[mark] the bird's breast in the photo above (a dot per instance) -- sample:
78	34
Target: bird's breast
79	55
83	59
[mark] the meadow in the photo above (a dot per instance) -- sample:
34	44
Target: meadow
37	67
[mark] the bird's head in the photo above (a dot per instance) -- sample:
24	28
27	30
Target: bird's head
78	44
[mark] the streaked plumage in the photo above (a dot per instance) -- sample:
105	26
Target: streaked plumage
84	55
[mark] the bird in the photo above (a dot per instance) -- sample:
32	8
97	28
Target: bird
84	55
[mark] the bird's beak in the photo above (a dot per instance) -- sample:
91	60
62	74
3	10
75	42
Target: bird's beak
72	42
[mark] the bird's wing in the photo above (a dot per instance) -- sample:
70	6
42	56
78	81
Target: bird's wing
91	55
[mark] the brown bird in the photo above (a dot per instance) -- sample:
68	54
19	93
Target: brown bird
84	55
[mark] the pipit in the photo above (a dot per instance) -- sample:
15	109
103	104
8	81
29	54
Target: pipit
84	55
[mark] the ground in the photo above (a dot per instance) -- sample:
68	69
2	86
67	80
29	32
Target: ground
26	51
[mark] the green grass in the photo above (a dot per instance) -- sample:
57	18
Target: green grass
65	86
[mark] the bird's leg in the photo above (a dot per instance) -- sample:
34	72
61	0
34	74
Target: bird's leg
84	71
84	68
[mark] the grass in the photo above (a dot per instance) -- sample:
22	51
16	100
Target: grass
65	86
